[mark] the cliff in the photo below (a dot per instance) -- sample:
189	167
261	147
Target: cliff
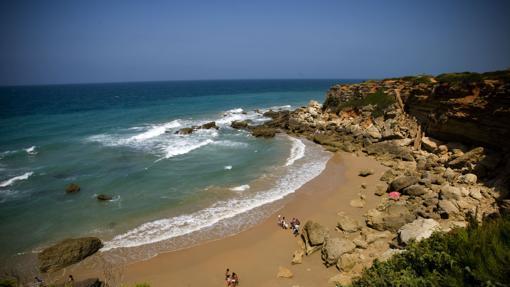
462	107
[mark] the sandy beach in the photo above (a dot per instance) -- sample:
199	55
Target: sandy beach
256	254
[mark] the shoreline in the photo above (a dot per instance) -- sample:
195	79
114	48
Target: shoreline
250	253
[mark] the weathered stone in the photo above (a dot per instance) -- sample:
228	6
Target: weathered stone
357	202
209	125
392	218
347	261
185	131
429	144
371	237
450	192
341	280
389	253
476	194
403	182
284	272
348	224
335	247
447	208
388	175
380	189
417	230
239	124
297	257
366	172
373	132
72	188
414	190
315	233
468	178
67	252
261	131
473	156
360	243
389	149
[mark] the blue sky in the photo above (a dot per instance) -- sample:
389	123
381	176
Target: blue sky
45	42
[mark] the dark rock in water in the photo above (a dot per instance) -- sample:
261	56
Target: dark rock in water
391	150
73	187
103	197
210	125
262	131
239	124
67	252
403	182
185	131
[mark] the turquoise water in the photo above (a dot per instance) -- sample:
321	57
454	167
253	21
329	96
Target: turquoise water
119	140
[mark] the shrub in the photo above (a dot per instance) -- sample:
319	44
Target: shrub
380	100
474	256
459	77
142	285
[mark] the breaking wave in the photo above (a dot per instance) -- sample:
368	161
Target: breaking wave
11	181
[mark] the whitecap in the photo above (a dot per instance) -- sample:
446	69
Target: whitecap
16	178
240	188
31	150
227	167
155	130
297	151
184	147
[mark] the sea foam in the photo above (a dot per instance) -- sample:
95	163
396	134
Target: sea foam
297	151
167	228
11	181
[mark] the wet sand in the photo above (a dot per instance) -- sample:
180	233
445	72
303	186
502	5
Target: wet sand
257	253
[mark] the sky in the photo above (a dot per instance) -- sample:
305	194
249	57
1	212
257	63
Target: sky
51	42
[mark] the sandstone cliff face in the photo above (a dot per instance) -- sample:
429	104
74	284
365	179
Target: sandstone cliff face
466	107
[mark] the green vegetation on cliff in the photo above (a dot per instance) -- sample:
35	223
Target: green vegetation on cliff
379	100
475	256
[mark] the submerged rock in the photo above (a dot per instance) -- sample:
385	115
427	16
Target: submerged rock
185	131
239	124
67	252
103	197
72	188
209	125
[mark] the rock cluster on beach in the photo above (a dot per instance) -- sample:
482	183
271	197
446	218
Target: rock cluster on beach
445	140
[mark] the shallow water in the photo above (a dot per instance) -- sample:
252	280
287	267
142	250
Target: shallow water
119	140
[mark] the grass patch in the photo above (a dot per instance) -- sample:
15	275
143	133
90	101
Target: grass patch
459	77
142	285
380	100
473	256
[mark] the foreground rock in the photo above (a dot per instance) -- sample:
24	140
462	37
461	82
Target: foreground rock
67	252
313	236
417	230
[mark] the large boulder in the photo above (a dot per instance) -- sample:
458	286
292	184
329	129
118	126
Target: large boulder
314	233
67	252
391	218
402	182
417	230
348	224
335	247
415	190
390	150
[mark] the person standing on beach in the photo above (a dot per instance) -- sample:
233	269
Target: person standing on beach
227	277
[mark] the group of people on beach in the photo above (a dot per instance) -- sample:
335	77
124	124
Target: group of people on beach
294	224
232	280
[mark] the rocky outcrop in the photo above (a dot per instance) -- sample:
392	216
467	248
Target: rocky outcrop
263	131
313	236
67	252
239	124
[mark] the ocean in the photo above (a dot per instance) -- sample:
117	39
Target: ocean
168	190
